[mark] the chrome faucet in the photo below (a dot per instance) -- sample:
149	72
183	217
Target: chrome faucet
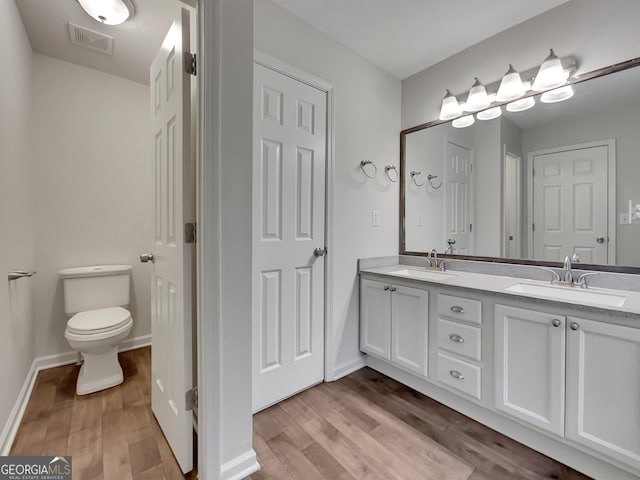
431	257
568	274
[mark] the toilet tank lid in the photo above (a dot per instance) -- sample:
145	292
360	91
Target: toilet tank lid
94	271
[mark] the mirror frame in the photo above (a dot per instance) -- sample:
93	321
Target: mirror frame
618	67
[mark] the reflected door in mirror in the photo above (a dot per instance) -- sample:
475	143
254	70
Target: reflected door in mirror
458	199
570	204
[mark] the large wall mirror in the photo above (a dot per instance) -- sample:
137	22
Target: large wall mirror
536	185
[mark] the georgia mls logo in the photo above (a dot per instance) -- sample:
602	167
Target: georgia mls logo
35	468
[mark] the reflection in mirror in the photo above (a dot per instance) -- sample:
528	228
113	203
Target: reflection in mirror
553	181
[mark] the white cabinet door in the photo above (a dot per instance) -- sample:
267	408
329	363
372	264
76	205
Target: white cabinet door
409	328
530	366
375	318
603	388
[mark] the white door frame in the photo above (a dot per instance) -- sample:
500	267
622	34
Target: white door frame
284	68
505	152
611	192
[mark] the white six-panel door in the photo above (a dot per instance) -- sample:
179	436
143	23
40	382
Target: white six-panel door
457	173
570	205
289	158
171	357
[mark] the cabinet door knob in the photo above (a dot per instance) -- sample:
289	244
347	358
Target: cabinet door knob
393	289
574	326
556	322
386	287
456	338
456	374
457	309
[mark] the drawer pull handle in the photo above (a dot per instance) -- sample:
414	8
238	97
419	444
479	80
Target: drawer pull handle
457	309
456	374
456	338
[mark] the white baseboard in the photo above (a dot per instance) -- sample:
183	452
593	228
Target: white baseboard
42	363
15	417
348	367
240	467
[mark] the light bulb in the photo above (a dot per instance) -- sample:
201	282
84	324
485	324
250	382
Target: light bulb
550	75
558	95
511	86
489	114
478	98
463	122
109	12
521	105
450	107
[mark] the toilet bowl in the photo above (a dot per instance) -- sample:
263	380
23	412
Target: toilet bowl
96	334
95	300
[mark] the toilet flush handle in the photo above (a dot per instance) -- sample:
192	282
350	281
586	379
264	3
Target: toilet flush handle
147	257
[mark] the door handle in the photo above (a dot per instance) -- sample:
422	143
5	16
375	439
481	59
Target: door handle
451	241
320	251
600	239
147	257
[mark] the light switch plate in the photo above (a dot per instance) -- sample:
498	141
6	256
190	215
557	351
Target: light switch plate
375	218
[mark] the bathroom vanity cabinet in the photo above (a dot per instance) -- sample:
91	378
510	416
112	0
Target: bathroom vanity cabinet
507	360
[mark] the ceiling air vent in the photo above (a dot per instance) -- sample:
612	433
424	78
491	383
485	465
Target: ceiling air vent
91	39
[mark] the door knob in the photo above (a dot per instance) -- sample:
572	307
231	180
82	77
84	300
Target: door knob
320	251
147	257
600	239
451	241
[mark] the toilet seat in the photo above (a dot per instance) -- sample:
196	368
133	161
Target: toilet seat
103	320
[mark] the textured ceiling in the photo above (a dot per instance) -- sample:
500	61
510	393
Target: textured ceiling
406	36
135	42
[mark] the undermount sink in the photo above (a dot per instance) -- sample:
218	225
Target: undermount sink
569	293
422	274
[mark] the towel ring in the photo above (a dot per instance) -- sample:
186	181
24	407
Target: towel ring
392	178
431	177
364	163
413	175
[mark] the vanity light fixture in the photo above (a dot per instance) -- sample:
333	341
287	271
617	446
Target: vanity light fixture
511	86
550	75
478	98
463	122
489	114
558	95
450	107
521	105
108	12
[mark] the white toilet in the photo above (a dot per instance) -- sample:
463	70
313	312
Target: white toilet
95	299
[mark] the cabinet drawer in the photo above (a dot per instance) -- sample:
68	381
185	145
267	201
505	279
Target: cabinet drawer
461	339
460	308
460	375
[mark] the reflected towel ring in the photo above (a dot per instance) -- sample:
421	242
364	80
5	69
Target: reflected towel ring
364	163
392	178
413	175
431	177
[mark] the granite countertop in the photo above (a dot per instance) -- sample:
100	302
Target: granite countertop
492	283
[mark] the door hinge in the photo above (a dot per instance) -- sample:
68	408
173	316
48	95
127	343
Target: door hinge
191	399
190	233
190	63
533	227
470	227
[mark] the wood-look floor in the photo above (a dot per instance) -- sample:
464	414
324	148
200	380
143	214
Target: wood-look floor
370	427
111	435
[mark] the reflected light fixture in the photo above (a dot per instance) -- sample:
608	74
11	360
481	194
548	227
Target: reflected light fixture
108	12
521	105
558	95
450	107
489	114
550	75
478	98
463	122
511	86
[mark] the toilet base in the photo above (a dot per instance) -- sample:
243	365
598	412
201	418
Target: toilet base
99	372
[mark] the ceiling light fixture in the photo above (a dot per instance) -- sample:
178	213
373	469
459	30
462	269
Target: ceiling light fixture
478	98
550	75
558	95
108	12
450	107
511	86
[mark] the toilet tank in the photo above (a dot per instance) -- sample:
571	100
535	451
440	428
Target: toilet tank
90	288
